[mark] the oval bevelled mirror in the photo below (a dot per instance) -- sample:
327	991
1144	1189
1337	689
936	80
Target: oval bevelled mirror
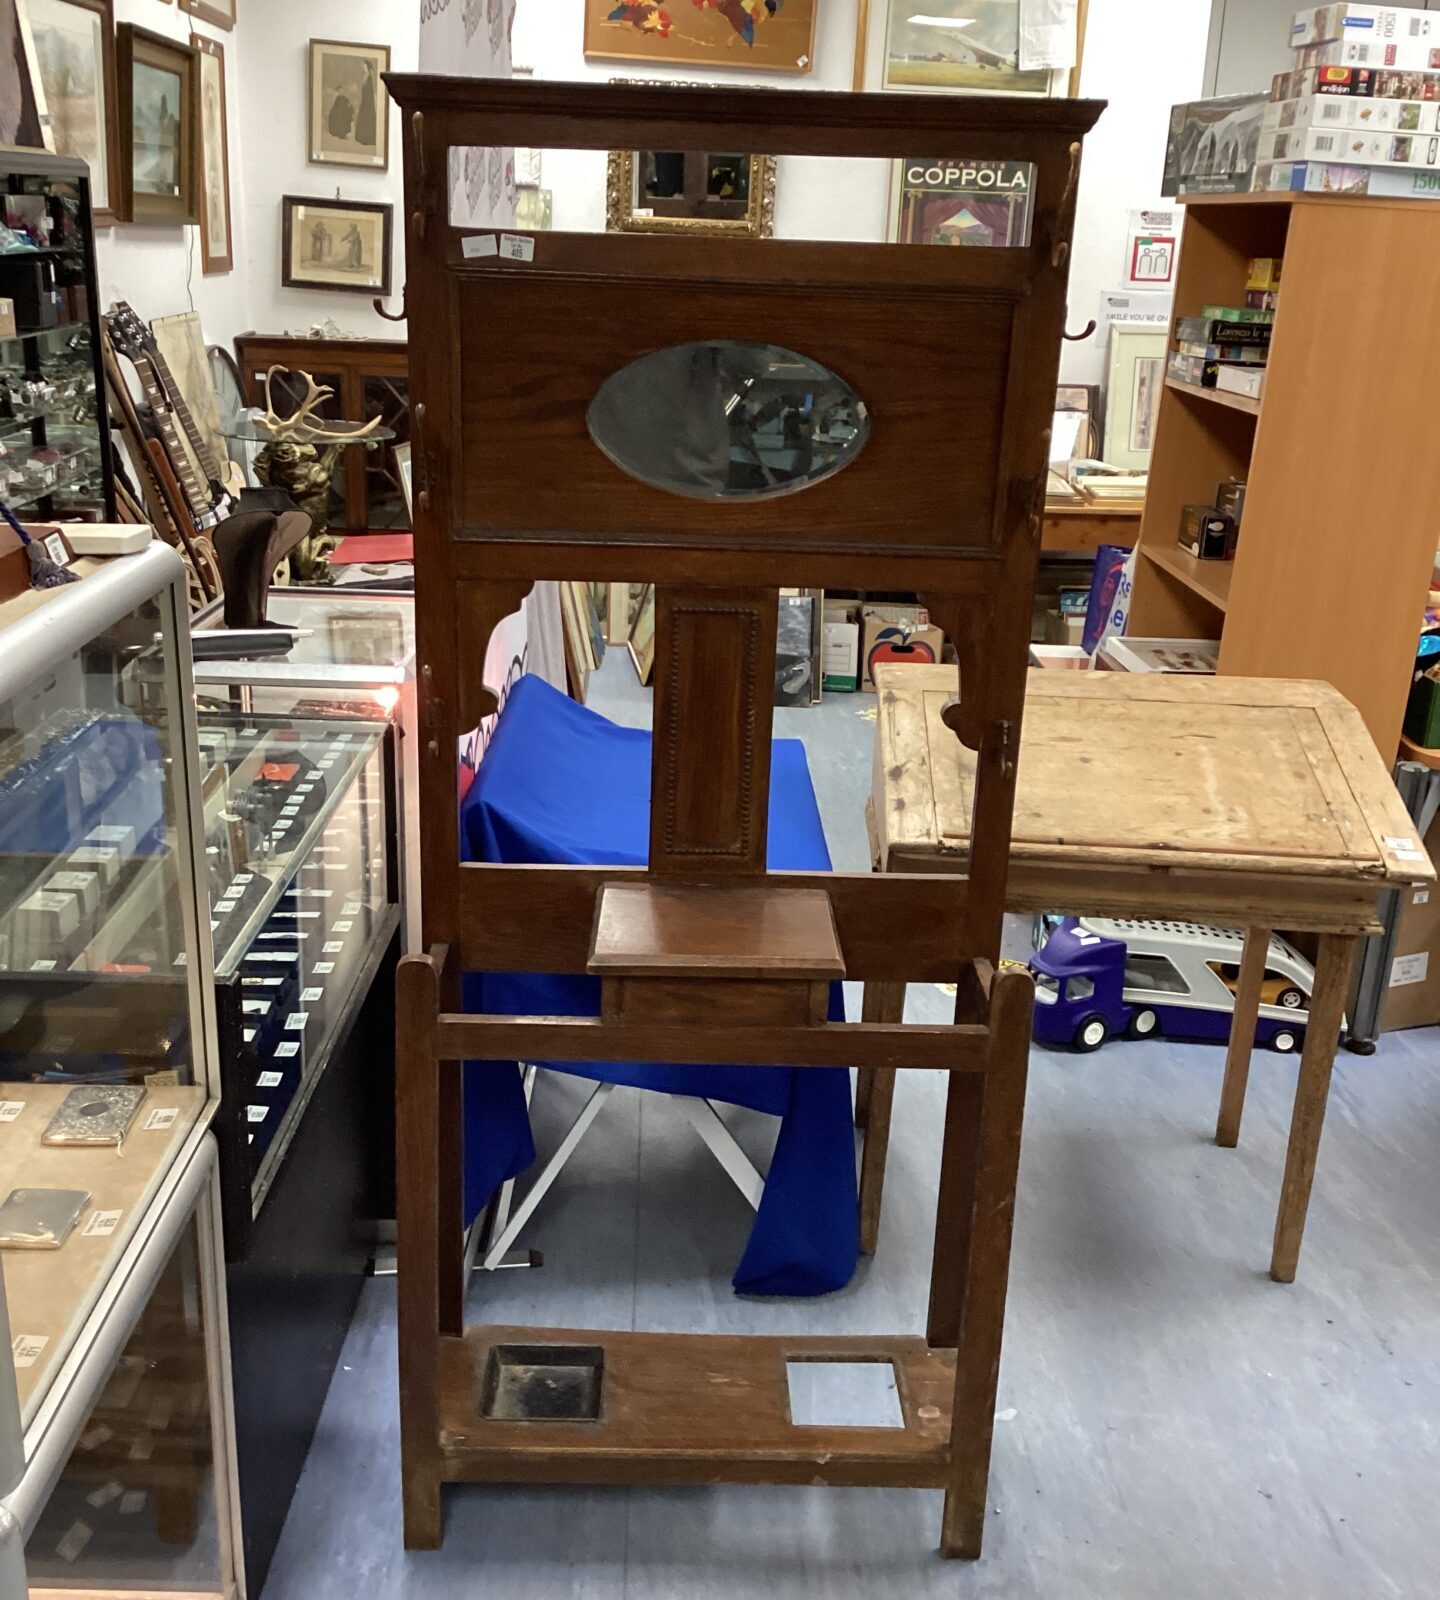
722	419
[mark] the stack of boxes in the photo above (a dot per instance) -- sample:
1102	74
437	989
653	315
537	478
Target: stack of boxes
1227	347
1360	111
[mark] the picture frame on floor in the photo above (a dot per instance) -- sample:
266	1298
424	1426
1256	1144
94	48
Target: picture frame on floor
217	245
74	50
341	245
641	642
349	110
159	111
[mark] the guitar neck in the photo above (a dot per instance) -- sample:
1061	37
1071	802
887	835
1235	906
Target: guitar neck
180	406
197	494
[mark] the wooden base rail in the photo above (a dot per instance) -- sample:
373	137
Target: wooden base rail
830	1044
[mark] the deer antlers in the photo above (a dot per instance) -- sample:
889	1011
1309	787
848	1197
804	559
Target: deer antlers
302	425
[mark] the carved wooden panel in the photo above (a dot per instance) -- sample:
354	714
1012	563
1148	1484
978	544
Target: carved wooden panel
714	680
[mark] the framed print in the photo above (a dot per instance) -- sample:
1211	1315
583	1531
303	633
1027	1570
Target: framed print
751	35
405	467
74	43
697	191
217	250
336	244
349	108
1136	368
951	201
641	642
159	99
220	12
954	47
22	109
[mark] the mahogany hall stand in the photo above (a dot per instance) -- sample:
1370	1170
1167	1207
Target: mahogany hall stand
1252	802
704	956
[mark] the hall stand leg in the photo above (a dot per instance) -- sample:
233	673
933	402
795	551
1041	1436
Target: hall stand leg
450	1229
864	1080
884	1002
419	1136
990	1218
1334	972
1242	1037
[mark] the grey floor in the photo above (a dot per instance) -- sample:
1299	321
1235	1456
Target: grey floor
1171	1423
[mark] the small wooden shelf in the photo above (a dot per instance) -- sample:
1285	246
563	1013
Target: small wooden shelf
1425	757
1216	397
1209	579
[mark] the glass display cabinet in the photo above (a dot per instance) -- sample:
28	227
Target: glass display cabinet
54	466
109	1241
355	661
304	904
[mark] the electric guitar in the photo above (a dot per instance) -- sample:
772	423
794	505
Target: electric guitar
207	491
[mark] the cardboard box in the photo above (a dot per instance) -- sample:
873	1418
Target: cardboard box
1198	656
1248	382
1060	657
1341	111
1207	534
840	649
1351	81
1363	49
1064	627
1327	177
1323	24
895	641
1412	998
1213	145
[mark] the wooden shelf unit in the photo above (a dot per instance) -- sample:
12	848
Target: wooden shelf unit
1215	397
1343	511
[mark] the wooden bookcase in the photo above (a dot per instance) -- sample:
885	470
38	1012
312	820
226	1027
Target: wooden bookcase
1343	514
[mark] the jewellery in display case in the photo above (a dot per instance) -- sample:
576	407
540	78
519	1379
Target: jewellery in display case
97	1114
40	1219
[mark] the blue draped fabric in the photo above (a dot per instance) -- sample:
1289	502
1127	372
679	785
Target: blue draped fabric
561	784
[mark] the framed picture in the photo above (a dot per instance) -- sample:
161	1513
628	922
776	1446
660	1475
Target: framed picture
1136	367
956	202
336	244
74	43
405	468
21	110
220	12
954	47
217	250
1075	428
159	98
349	108
751	35
697	191
642	633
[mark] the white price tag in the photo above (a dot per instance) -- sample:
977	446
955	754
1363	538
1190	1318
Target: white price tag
42	966
291	1047
1410	969
102	1224
1422	897
160	1118
474	246
249	1036
261	983
10	1109
295	1022
514	247
287	956
27	1348
303	788
73	1541
131	1502
341	927
256	1008
322	967
333	947
55	549
350	908
243	877
271	1080
101	1497
257	1113
309	996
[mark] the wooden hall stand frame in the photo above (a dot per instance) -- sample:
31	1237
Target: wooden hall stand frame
1257	803
704	956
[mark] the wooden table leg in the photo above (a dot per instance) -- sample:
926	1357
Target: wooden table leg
1334	972
884	1002
864	1082
1242	1037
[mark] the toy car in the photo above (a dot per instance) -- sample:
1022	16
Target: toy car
1096	977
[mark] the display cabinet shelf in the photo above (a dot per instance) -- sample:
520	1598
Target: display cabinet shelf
1215	397
1209	579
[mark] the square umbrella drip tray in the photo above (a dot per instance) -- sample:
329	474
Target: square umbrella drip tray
543	1383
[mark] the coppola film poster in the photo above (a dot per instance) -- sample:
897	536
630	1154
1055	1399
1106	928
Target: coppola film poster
958	202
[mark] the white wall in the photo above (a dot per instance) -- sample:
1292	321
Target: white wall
157	269
1143	56
274	52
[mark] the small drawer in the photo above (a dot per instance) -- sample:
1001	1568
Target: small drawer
715	1002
